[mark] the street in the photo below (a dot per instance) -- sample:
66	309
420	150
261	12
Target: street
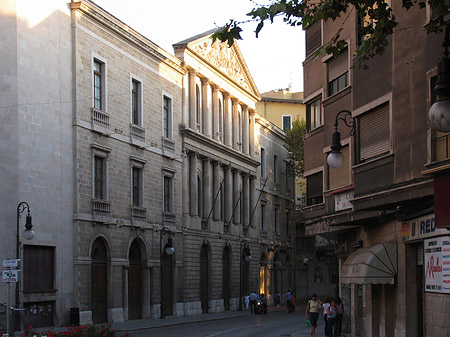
277	323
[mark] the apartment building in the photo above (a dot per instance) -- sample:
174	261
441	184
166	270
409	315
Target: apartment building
377	202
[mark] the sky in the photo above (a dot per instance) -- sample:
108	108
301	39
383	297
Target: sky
274	58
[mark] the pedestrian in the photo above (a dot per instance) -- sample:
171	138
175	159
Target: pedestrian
340	314
277	299
325	307
253	297
332	319
246	301
292	303
312	313
288	299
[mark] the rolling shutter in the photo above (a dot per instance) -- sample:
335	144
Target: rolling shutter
374	133
313	37
337	67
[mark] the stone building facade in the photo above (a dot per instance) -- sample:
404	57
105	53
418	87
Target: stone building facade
150	151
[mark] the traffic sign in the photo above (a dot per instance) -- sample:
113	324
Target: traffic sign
11	276
11	263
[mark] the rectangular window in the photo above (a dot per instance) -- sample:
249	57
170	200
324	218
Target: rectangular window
38	269
136	188
339	177
167	117
99	177
374	141
313	37
314	114
136	102
98	85
287	122
167	198
338	73
275	168
263	163
314	189
263	216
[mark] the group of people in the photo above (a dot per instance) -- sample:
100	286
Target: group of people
332	311
290	301
251	300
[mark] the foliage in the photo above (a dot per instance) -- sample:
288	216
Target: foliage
76	331
295	140
377	14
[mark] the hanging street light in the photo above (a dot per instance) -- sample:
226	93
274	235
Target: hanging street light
335	158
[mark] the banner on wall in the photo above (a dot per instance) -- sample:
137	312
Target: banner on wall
437	264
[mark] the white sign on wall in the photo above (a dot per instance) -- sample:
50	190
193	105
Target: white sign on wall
437	264
11	276
343	201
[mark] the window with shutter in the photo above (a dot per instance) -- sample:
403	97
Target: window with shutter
314	189
374	133
313	37
338	73
339	177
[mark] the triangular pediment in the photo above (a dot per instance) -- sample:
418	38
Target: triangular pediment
228	60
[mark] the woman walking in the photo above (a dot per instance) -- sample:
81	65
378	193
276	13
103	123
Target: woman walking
312	313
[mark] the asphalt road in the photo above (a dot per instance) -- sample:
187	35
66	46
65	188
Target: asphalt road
273	324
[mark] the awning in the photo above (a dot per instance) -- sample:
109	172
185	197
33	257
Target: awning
373	265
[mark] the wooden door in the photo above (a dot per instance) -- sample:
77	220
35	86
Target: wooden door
134	283
98	282
204	279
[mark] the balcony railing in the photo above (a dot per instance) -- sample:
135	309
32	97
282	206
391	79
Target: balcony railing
137	133
100	119
101	207
138	214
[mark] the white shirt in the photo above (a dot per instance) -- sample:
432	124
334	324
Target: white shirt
325	307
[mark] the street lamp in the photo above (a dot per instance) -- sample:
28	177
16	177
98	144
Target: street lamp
28	234
335	158
169	251
439	114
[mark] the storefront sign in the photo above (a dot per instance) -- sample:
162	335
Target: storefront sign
437	264
421	228
343	201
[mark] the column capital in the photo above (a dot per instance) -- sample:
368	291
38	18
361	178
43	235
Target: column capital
205	80
226	94
215	87
234	100
192	71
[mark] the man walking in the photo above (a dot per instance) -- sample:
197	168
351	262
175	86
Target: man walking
288	300
253	298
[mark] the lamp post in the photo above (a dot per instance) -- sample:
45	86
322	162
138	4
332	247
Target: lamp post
439	113
169	250
335	158
27	234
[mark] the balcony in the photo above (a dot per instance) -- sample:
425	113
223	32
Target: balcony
100	121
138	214
101	207
137	135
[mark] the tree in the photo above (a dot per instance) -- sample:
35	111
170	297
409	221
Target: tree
295	140
377	14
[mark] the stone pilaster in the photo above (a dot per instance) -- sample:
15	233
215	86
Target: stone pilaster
216	187
215	104
237	183
192	100
245	130
207	187
193	195
235	124
228	120
206	108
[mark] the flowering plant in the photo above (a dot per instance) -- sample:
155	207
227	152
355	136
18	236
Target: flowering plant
90	330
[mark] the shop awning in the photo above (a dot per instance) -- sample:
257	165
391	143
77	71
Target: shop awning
373	265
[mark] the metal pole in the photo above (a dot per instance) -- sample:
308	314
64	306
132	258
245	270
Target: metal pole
8	313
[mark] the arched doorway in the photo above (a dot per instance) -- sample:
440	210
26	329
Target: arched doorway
204	284
134	282
263	275
98	282
226	266
245	272
167	283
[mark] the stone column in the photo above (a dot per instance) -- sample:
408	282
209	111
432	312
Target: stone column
125	292
253	199
215	104
245	131
216	195
228	193
246	198
192	99
236	197
227	120
193	195
235	143
207	186
206	108
252	134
